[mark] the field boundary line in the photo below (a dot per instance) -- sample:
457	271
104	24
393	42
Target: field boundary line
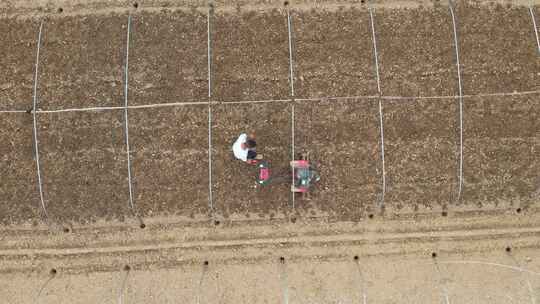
460	96
291	72
126	118
83	109
209	67
375	53
313	99
291	82
34	117
381	123
13	111
292	152
209	50
535	28
210	196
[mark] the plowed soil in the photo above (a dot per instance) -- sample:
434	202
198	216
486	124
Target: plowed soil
421	145
168	57
83	154
236	191
416	52
342	138
81	62
212	234
170	161
501	150
325	68
250	55
84	165
19	179
497	49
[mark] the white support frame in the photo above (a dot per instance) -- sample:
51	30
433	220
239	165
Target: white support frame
531	11
381	113
34	118
291	62
203	103
460	97
126	118
209	67
292	152
291	82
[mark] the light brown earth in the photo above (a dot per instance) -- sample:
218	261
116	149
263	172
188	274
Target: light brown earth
93	234
167	262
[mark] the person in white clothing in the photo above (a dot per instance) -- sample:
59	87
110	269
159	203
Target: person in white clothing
244	148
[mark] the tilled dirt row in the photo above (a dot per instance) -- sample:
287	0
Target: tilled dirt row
170	160
235	189
416	52
19	196
168	57
83	154
342	140
420	148
17	58
84	165
498	51
250	55
501	144
333	55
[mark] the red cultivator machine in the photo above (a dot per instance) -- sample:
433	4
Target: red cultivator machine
302	174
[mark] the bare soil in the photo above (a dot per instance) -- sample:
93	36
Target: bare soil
17	78
498	52
82	52
421	147
342	139
324	68
501	150
394	261
168	57
19	196
250	55
83	154
416	52
170	161
236	192
84	165
84	157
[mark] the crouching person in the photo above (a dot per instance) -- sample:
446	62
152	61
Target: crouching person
244	149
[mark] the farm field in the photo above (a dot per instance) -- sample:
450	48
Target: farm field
429	166
83	153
